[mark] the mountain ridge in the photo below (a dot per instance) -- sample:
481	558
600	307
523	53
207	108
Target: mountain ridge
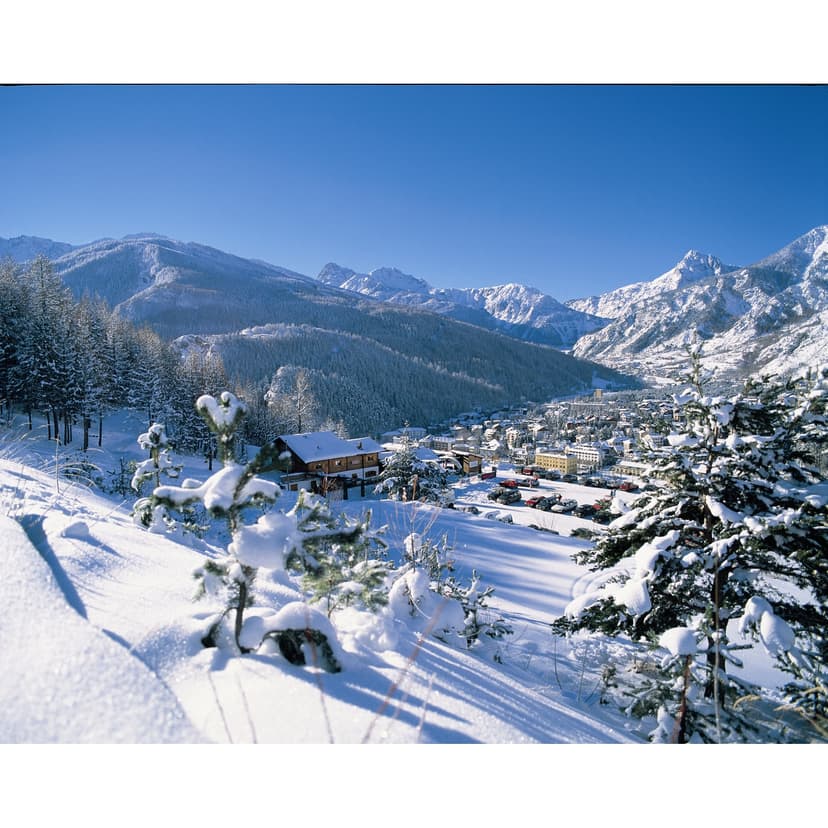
753	318
515	309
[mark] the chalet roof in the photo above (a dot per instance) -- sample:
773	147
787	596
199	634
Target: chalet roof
325	445
364	445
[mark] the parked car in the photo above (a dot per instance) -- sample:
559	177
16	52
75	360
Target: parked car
564	506
509	496
585	510
532	502
509	484
569	478
502	517
628	486
551	474
528	482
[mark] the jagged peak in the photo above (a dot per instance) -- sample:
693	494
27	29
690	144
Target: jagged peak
334	269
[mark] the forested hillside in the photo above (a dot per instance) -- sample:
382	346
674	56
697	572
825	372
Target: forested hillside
406	366
366	367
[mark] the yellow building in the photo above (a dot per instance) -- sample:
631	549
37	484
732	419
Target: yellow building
564	463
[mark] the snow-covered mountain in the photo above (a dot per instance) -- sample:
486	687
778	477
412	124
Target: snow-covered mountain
516	310
179	287
24	248
768	316
692	268
374	363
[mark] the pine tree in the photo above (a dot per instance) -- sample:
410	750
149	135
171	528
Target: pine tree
405	477
344	561
225	495
154	440
735	540
339	557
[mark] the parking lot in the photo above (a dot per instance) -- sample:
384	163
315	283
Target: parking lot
474	494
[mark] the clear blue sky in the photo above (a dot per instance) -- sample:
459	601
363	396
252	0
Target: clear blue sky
572	189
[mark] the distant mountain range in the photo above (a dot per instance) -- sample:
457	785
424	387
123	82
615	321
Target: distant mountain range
765	317
24	248
372	364
517	310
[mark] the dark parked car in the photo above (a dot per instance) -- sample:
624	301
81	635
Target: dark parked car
504	495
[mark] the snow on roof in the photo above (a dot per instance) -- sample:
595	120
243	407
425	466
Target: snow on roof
325	445
364	445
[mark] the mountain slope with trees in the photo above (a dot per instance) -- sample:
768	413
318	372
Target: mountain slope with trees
371	365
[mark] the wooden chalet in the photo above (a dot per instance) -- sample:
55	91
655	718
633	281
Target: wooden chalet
321	454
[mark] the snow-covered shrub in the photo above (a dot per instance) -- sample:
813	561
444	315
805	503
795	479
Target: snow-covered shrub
224	495
343	561
479	619
302	634
450	608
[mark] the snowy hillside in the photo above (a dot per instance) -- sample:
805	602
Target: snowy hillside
99	617
25	248
764	317
151	279
513	309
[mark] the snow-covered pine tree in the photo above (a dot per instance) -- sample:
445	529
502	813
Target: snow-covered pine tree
154	440
735	539
405	477
224	495
430	562
307	538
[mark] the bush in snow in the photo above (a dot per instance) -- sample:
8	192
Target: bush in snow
344	562
153	516
224	495
736	521
453	609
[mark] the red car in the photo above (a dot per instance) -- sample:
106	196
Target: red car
509	484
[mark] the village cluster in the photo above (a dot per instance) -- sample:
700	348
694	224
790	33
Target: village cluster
591	442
